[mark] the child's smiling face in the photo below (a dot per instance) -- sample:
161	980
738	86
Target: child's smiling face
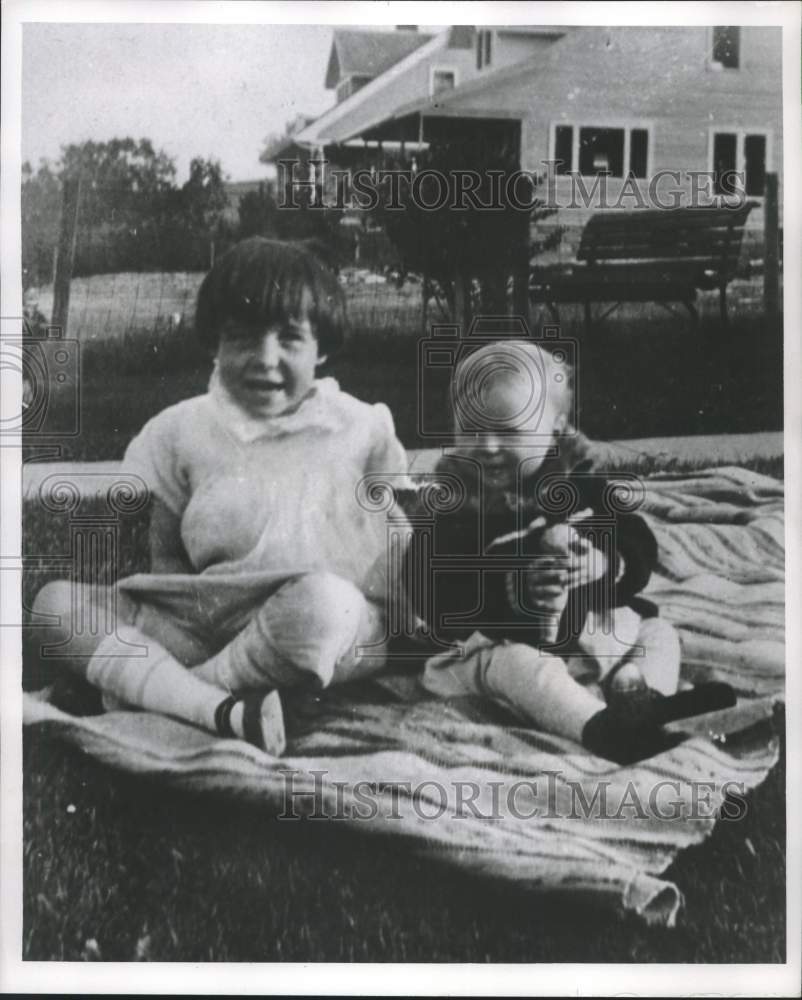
517	435
268	369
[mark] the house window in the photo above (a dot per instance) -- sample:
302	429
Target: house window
484	48
741	152
602	149
755	164
727	47
725	162
442	80
564	148
638	152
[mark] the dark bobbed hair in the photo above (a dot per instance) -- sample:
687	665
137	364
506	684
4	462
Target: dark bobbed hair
261	281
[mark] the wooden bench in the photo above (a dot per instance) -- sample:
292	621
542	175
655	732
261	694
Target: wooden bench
647	255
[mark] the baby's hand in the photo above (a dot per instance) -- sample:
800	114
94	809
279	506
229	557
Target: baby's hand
544	588
586	563
568	561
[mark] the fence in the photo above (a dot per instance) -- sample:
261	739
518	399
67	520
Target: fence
120	303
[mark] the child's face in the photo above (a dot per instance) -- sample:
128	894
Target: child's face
268	370
515	437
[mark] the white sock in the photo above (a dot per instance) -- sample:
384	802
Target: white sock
155	681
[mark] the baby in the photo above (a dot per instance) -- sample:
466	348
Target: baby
545	607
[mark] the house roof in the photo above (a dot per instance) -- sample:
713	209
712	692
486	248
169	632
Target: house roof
379	104
324	129
449	102
457	102
368	53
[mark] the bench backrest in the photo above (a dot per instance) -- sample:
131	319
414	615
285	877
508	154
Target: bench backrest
710	236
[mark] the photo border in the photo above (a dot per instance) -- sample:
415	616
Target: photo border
381	978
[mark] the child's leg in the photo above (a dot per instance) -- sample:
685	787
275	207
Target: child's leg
535	685
660	663
158	682
655	660
540	688
310	630
139	671
77	617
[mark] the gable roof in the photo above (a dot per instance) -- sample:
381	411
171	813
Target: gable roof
368	53
323	129
449	102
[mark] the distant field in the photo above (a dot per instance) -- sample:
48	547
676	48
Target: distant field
108	306
104	306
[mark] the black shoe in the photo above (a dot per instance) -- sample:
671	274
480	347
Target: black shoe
262	720
711	696
625	740
644	705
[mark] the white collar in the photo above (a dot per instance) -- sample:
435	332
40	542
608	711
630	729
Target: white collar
317	410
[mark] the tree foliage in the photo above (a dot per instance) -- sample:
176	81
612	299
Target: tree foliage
40	209
475	246
132	215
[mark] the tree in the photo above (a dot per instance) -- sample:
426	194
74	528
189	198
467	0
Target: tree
127	191
197	227
276	142
470	253
203	196
41	209
132	216
121	180
258	213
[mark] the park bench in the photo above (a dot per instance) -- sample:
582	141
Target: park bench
647	255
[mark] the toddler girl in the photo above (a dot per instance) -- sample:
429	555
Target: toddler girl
265	570
543	603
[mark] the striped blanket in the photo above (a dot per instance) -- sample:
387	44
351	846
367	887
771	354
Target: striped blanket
460	782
